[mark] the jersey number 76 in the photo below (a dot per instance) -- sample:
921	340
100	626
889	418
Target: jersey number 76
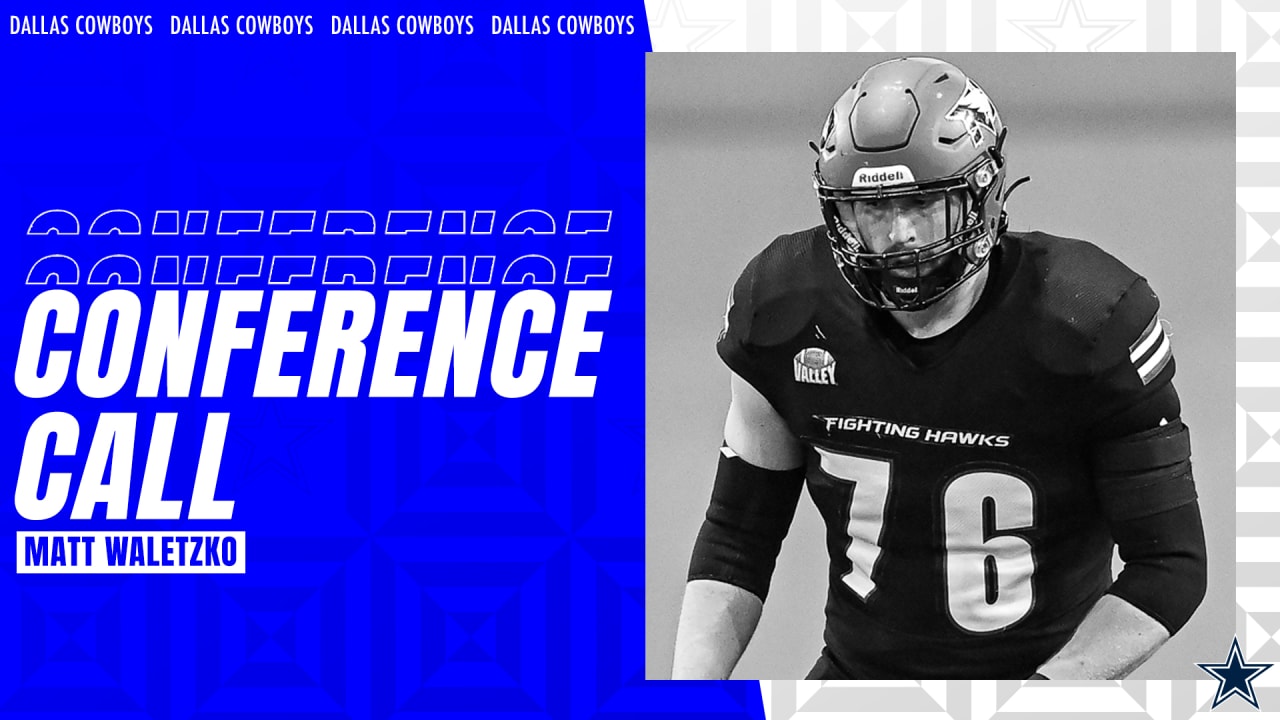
988	578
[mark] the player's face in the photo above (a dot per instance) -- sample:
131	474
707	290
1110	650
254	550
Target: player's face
905	223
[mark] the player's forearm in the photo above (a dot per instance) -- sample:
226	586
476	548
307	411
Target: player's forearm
1114	639
716	622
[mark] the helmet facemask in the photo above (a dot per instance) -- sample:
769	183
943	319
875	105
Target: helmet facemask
915	278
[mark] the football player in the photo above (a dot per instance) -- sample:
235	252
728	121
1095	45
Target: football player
980	416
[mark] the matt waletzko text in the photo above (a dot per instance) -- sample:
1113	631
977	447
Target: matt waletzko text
131	552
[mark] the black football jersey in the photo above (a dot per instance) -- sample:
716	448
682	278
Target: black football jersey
962	523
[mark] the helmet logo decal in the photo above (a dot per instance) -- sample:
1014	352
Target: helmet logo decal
888	175
975	110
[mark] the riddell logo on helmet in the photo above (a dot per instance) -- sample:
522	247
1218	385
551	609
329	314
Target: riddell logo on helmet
883	175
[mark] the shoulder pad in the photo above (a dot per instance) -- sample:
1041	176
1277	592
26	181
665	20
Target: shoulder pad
1093	307
776	295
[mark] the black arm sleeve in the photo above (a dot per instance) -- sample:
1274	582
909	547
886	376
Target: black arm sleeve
1165	567
1145	487
749	516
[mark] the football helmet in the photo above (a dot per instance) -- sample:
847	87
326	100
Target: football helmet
913	127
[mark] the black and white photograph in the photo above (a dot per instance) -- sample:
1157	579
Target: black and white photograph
940	365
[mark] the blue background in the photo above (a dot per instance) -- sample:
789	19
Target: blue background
480	555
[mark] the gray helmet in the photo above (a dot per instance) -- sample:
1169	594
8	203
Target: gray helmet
913	127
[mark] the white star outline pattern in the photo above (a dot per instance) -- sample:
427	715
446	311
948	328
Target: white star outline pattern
1080	34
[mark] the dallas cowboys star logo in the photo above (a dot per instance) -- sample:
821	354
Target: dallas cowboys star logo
1235	676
